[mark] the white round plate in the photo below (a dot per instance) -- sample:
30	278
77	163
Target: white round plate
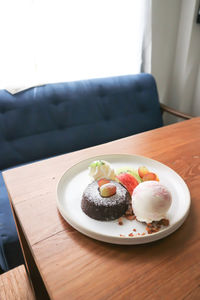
72	184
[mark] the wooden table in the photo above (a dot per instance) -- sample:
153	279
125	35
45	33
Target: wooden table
64	264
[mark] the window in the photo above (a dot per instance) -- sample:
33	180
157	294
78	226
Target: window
62	40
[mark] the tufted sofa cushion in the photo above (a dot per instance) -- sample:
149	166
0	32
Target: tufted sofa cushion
64	117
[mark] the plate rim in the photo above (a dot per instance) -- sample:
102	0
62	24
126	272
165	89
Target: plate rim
125	240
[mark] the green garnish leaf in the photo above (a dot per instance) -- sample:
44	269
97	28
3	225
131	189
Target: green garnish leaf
97	163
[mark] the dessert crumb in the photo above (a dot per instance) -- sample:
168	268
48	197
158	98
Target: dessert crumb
120	221
130	217
155	226
129	211
131	234
164	222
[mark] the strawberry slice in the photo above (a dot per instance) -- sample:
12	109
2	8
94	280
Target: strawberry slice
102	181
142	171
150	176
128	181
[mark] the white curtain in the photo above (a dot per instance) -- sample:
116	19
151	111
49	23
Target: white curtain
46	41
185	83
175	60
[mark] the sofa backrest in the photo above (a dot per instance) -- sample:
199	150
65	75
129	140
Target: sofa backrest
59	118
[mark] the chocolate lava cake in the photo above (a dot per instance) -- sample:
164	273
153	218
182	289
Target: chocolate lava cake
105	208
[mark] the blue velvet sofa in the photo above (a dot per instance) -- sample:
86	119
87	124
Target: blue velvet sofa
58	118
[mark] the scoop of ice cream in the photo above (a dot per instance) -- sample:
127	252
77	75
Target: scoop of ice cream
101	169
151	200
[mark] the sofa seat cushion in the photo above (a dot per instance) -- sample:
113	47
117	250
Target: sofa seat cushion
10	250
59	118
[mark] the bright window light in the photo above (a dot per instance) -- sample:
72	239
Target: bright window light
63	40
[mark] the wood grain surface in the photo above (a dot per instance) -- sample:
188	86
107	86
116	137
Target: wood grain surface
15	285
73	266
